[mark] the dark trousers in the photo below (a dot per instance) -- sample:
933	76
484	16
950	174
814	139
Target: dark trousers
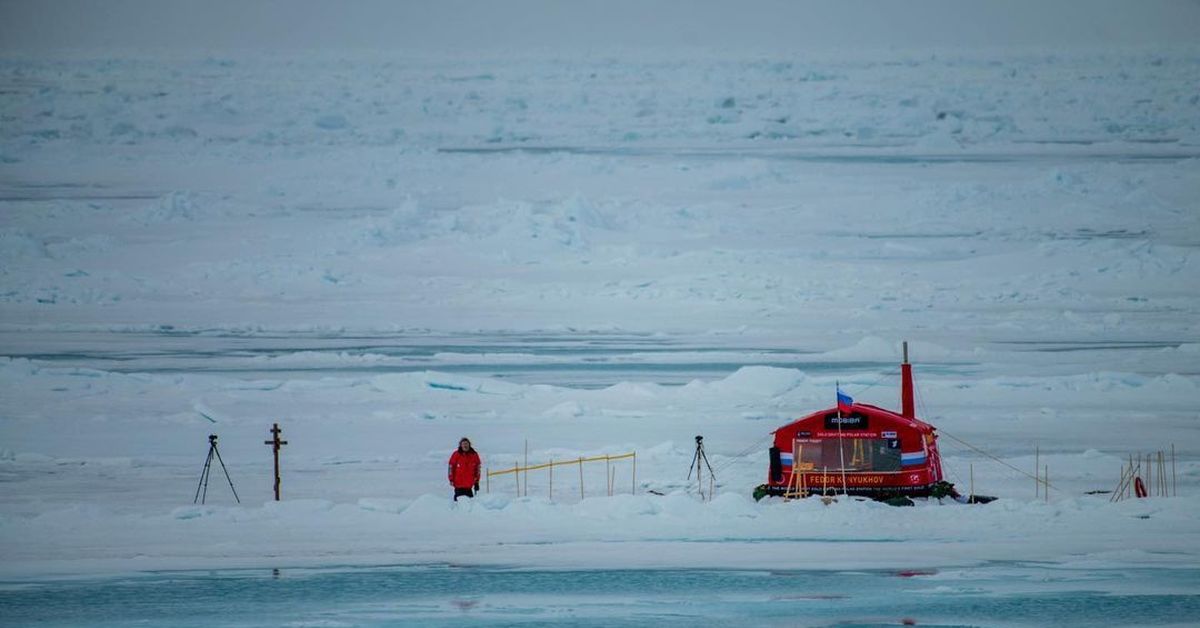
463	492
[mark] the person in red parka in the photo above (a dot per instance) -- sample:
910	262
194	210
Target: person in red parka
464	469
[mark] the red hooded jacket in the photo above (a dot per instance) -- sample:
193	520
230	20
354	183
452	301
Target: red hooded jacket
464	468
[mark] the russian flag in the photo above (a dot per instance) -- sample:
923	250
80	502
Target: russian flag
844	401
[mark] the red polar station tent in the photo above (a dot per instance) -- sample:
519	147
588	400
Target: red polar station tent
857	449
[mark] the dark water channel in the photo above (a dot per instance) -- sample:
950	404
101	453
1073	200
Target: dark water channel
441	595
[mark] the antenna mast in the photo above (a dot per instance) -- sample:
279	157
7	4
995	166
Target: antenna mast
907	407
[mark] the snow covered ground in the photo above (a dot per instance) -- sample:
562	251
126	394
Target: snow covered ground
588	256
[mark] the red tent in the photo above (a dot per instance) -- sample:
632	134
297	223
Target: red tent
859	450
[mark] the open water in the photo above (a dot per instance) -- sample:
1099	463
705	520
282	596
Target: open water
447	595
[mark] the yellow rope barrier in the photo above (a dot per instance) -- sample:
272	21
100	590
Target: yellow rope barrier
610	473
547	465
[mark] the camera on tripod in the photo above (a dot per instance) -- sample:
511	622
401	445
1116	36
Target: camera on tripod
203	485
699	459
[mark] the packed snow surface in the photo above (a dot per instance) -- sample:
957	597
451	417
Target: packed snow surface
569	256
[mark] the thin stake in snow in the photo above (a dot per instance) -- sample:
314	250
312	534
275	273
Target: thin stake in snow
1120	490
1162	474
1133	472
275	445
1047	484
608	473
1037	454
971	499
1149	471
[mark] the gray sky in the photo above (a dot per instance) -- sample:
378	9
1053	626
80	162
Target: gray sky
37	26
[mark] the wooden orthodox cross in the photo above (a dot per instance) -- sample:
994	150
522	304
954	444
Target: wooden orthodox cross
276	443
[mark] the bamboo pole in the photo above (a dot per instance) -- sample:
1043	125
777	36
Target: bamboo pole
1116	494
1155	488
1128	481
1167	479
581	477
1126	469
1151	474
1133	472
1174	486
1037	455
1124	466
608	474
1162	473
612	481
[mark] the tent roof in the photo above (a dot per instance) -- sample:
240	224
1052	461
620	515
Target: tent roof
868	410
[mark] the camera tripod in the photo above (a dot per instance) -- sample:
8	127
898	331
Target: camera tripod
212	450
697	458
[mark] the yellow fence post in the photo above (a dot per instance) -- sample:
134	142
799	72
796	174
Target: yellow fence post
608	474
633	488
